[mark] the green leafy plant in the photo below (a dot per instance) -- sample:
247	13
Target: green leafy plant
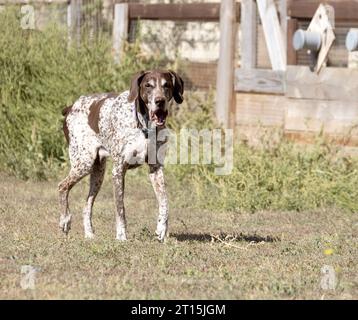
41	72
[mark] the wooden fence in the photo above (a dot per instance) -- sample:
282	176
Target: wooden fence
281	93
272	87
301	102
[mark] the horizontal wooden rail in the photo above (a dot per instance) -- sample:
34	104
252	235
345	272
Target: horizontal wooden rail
260	81
181	12
305	9
301	83
298	82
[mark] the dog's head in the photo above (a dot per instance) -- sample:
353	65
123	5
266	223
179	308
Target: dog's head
155	89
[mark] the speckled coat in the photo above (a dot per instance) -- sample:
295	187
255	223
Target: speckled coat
98	126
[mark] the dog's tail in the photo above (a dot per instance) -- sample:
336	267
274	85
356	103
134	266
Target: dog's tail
65	113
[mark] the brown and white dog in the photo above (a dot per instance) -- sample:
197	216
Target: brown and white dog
117	125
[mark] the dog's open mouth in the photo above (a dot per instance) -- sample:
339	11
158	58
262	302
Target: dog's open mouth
158	117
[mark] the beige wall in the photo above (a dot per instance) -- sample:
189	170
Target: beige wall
193	41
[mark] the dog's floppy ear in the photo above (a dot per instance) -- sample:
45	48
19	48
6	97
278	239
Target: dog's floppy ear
178	87
135	84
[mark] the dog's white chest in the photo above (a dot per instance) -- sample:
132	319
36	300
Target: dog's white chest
136	149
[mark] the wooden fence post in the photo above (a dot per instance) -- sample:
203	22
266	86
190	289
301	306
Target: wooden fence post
78	20
69	21
120	29
282	9
248	34
273	34
226	65
74	20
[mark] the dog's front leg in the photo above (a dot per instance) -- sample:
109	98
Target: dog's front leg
118	175
157	178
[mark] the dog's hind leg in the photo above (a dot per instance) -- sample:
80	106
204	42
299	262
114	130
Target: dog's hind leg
96	180
64	188
79	169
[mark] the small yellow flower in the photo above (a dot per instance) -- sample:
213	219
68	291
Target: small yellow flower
328	251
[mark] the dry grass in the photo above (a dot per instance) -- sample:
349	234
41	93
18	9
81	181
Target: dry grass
208	255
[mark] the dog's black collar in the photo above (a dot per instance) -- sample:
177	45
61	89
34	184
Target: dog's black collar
142	120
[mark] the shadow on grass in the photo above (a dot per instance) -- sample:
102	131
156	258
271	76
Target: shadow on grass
206	237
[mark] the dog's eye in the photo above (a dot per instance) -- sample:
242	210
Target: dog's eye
166	85
148	85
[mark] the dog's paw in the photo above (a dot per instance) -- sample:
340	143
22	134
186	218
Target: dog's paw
65	223
89	235
121	236
161	233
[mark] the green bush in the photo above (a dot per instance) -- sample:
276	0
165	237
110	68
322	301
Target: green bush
40	74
